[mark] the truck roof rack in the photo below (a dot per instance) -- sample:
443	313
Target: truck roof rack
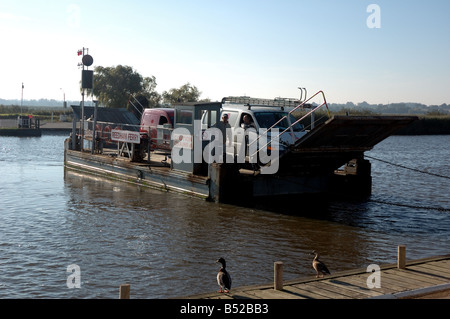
250	101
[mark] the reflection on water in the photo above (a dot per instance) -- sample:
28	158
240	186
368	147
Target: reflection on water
166	245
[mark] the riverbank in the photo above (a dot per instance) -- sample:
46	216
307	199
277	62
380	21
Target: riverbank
428	125
21	132
46	128
57	127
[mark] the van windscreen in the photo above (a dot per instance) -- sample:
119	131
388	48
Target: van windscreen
268	119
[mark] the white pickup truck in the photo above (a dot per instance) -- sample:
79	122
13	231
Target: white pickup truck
261	117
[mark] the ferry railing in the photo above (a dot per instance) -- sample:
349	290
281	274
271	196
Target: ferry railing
103	133
290	128
135	107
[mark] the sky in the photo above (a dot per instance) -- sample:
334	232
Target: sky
377	51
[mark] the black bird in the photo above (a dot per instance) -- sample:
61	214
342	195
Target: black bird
318	265
223	277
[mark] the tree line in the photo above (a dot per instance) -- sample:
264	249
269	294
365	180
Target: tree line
121	86
392	108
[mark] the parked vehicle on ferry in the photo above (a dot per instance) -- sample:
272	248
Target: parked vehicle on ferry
157	125
261	117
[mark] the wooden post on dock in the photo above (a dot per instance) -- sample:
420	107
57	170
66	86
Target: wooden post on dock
401	258
278	275
124	291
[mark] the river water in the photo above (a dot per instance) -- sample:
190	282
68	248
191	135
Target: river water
165	245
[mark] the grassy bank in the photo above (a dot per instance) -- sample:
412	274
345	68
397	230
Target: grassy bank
43	113
428	125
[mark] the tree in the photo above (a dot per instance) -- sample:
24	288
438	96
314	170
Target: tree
113	86
186	93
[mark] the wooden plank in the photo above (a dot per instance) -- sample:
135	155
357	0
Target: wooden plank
351	293
439	265
341	293
446	263
329	291
359	291
273	294
443	263
430	272
391	285
400	281
442	268
220	296
405	278
305	294
419	279
313	291
384	289
359	287
320	290
429	279
243	295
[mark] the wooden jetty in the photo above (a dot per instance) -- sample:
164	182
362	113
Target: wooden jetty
404	280
21	132
23	126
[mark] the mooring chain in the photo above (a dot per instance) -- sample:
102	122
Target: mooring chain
405	167
441	209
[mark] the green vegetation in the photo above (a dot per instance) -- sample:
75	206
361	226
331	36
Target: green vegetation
186	93
393	108
43	113
428	125
114	86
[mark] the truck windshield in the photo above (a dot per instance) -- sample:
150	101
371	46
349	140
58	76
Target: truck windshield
267	119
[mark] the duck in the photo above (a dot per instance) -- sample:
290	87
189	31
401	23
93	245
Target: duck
223	277
319	266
